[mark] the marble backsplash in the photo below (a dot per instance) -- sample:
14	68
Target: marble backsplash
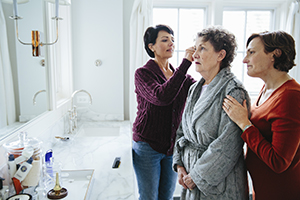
86	114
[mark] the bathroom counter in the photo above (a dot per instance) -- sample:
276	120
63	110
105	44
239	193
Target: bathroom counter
86	149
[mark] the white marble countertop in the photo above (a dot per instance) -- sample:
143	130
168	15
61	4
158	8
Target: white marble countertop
90	151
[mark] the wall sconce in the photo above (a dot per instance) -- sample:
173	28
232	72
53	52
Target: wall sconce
35	35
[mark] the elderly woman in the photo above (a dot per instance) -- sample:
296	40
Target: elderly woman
161	92
273	132
208	154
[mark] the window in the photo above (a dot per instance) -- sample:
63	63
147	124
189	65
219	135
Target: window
185	22
245	23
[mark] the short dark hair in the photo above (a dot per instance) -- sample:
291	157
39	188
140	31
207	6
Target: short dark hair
221	38
151	35
278	40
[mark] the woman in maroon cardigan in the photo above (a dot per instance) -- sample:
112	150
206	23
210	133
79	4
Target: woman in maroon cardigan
273	132
161	92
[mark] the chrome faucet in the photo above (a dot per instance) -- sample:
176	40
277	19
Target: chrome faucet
34	97
73	112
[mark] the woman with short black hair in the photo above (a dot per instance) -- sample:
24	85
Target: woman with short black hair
161	93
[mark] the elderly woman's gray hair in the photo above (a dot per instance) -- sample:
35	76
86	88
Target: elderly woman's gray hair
220	38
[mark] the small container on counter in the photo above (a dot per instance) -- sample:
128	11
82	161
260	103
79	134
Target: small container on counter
21	174
50	169
23	170
20	151
12	167
20	197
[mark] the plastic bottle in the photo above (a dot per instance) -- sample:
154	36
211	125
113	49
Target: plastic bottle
23	170
26	154
12	167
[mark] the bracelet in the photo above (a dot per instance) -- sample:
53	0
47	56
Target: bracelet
247	126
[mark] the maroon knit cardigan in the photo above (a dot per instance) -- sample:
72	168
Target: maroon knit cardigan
160	104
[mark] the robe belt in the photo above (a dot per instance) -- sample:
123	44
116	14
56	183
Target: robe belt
183	142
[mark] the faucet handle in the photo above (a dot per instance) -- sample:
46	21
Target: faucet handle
70	111
74	109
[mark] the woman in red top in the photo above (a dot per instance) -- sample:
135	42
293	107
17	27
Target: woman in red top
273	132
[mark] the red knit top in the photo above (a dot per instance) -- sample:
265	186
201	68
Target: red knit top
273	156
160	104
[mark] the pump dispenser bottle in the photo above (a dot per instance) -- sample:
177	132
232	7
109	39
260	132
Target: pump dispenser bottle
12	167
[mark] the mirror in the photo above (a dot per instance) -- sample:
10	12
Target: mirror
28	72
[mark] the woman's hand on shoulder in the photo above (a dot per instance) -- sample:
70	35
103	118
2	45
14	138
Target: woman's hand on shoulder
189	53
236	112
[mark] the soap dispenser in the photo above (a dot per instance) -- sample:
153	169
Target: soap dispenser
3	190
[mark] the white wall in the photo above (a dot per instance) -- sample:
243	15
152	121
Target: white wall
97	33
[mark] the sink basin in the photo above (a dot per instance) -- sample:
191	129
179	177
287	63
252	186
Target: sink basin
99	131
78	183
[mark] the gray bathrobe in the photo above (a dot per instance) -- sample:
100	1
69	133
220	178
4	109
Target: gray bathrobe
208	143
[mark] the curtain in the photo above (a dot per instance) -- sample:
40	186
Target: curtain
140	20
293	28
7	99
